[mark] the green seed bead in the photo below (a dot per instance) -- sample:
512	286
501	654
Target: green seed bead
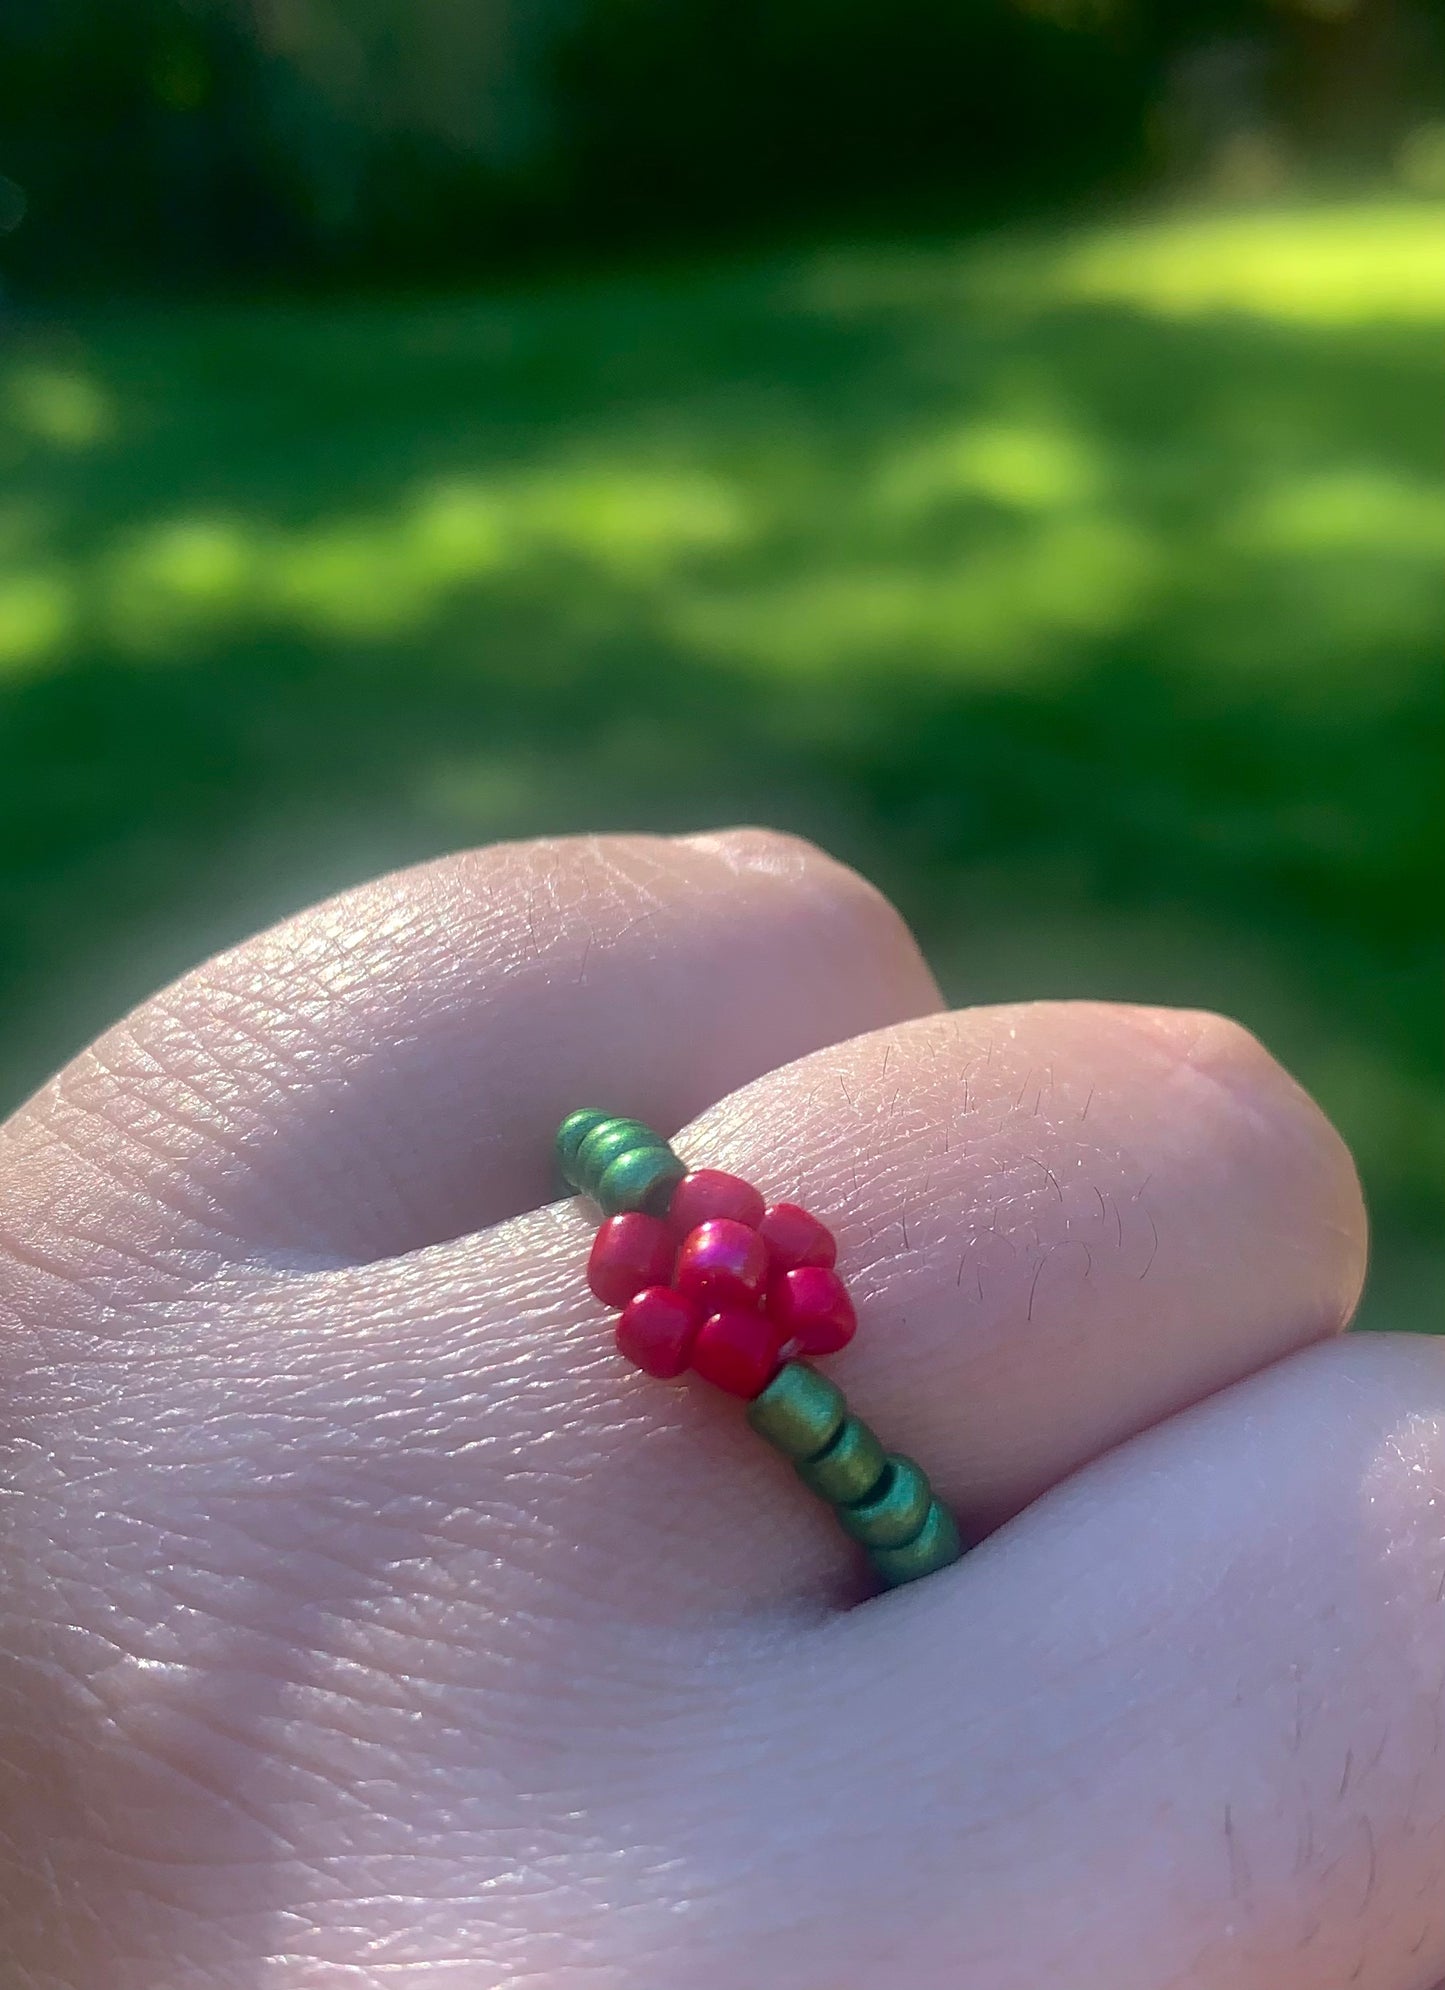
642	1178
934	1546
850	1468
895	1511
570	1135
800	1412
605	1143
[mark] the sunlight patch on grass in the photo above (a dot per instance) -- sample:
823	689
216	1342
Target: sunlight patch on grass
1328	266
1349	510
55	405
1316	572
1030	467
457	531
175	579
1001	610
349	580
380	575
1008	534
36	616
1359	263
630	520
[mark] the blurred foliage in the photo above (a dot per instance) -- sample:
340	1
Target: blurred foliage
1085	587
346	140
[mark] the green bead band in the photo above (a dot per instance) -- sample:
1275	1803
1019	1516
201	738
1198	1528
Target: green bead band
933	1547
605	1143
883	1501
570	1135
621	1163
640	1178
800	1412
850	1468
895	1512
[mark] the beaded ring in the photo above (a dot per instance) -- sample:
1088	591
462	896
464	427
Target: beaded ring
709	1277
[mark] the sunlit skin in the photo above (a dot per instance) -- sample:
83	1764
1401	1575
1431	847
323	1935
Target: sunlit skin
370	1624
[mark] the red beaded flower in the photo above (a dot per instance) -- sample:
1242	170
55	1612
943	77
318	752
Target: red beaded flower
708	1277
723	1284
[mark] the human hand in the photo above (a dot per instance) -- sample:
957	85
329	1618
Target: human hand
368	1623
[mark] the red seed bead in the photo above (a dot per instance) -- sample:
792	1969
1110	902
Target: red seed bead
793	1237
628	1253
657	1330
810	1306
722	1264
737	1350
708	1193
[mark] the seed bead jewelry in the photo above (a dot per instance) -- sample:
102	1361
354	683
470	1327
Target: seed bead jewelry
707	1276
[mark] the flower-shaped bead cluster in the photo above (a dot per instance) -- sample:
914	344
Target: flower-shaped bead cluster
722	1283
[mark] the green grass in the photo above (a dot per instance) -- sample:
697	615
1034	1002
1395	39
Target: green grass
1086	589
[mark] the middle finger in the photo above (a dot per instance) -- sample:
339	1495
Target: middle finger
1061	1223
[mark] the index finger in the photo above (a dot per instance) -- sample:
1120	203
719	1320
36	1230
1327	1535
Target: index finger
385	1070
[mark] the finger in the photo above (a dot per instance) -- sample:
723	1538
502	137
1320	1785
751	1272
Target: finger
1179	1724
386	1069
1062	1223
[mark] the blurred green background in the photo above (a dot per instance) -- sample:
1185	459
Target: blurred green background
1002	441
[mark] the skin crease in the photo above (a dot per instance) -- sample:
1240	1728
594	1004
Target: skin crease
367	1623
